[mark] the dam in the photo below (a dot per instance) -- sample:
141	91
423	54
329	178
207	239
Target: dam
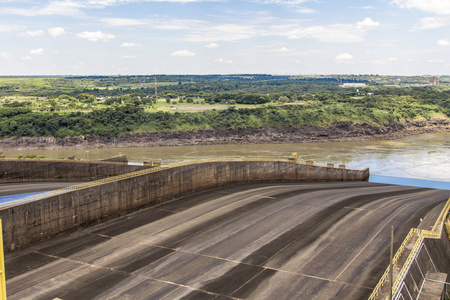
230	229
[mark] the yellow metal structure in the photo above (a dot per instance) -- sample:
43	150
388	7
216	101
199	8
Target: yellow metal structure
434	233
2	266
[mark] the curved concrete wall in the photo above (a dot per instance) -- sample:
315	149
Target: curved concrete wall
46	218
34	170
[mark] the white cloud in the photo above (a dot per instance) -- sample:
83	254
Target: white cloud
10	28
434	61
61	8
130	45
367	23
128	57
384	61
283	49
212	46
178	24
6	56
27	58
305	10
38	51
95	36
439	7
225	32
116	22
183	53
221	60
282	2
334	33
432	23
443	42
344	57
33	33
74	8
56	31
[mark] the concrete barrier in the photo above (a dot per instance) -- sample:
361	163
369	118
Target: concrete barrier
42	219
38	170
118	158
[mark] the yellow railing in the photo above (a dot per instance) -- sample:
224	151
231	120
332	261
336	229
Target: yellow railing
383	279
447	226
441	218
2	267
435	233
175	164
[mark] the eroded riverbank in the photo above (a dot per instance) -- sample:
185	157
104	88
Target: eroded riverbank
338	132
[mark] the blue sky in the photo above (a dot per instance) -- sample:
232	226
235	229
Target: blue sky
110	37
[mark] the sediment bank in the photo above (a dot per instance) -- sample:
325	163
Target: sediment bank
339	131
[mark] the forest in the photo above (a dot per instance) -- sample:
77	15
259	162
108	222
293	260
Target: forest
111	105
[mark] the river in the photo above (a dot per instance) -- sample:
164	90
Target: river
425	156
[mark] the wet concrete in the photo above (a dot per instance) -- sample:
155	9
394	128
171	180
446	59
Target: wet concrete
259	241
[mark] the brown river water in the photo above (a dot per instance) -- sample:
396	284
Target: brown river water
425	156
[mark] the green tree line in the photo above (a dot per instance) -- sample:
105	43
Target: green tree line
21	121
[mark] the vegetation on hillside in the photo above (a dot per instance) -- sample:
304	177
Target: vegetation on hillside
104	105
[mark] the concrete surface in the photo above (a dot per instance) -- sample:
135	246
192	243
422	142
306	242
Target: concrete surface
42	170
256	241
92	203
434	286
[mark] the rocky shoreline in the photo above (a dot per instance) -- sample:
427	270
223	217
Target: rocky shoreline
338	132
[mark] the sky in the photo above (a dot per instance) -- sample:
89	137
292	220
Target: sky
280	37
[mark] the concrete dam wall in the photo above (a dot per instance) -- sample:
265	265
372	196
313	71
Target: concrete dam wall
33	170
94	202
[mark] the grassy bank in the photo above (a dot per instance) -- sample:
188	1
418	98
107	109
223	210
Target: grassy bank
22	121
79	106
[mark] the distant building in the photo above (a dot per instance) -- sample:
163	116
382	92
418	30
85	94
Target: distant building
434	80
353	84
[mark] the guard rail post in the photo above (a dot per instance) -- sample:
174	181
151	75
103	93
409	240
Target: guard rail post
2	266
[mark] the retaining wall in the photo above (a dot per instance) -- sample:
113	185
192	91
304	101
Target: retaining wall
33	170
35	221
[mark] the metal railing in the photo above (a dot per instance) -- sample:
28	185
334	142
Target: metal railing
384	278
434	233
2	267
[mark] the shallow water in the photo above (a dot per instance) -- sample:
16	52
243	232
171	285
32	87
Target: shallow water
425	156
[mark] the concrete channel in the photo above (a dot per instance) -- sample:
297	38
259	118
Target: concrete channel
307	240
